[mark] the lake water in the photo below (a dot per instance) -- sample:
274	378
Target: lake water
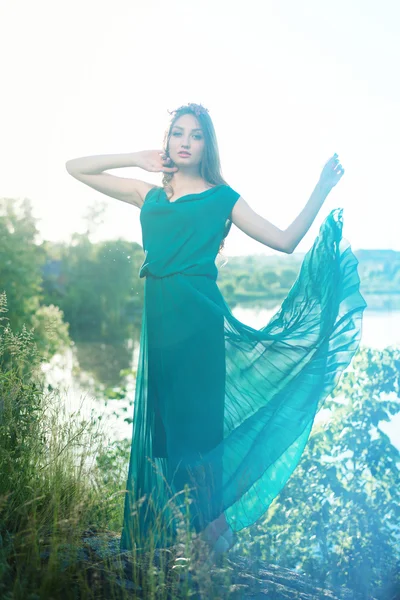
380	329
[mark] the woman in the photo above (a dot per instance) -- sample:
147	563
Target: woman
222	411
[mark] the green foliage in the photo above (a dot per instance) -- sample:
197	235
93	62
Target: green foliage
21	262
51	332
97	287
20	414
337	518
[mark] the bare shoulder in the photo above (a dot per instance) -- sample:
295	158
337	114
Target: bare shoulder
126	189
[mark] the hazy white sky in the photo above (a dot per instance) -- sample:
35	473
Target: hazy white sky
287	84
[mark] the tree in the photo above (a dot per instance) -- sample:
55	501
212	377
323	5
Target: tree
21	261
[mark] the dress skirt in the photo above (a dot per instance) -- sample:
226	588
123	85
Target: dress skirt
222	410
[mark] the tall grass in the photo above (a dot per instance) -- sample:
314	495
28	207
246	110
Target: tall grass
61	500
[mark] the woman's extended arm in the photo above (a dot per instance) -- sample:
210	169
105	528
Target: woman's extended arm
330	176
287	240
302	223
258	228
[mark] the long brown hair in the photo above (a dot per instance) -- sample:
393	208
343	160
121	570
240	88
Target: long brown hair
210	166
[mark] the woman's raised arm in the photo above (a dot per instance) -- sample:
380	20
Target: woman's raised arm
90	170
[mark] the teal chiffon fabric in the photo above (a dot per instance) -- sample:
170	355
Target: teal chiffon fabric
221	406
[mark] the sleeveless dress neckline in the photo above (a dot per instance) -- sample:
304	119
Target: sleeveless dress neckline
192	194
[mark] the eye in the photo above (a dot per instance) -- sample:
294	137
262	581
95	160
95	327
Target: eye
196	135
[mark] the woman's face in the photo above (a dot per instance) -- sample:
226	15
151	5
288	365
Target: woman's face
186	135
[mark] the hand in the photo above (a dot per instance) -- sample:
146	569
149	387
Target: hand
331	173
154	161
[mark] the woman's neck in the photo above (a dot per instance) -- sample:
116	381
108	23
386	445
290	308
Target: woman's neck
187	183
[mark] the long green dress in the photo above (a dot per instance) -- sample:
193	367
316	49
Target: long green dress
220	406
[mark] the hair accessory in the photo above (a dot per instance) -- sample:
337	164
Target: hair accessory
198	109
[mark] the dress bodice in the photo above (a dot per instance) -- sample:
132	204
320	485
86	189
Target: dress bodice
184	235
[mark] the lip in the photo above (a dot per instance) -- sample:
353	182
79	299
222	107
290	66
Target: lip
184	154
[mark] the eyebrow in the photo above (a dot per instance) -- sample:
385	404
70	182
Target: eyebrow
196	129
